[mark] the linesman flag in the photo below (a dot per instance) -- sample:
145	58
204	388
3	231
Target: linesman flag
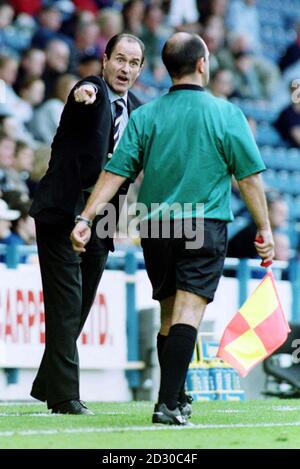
257	329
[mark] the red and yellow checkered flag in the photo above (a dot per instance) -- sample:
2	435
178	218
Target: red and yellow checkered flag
257	330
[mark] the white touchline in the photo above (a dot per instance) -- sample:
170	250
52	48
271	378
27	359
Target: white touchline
146	429
24	414
228	411
21	403
285	408
48	414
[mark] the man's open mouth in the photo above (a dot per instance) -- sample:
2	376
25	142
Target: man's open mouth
122	79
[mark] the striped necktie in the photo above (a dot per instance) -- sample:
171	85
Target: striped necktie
120	106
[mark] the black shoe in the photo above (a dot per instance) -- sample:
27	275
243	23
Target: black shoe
185	406
168	417
74	407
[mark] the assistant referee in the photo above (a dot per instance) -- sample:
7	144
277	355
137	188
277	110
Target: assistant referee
189	144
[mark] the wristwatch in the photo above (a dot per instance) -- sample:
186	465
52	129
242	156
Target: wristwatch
86	220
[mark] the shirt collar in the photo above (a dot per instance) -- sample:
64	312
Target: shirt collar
114	96
187	86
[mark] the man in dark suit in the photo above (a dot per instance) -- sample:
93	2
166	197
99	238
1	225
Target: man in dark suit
92	122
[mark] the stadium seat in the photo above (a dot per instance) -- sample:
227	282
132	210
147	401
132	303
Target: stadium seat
267	135
281	380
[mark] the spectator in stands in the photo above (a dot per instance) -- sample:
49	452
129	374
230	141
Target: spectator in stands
41	162
9	177
50	22
32	65
110	22
184	16
57	63
222	83
7	153
15	36
243	18
6	18
22	228
282	246
235	43
88	65
14	107
8	73
292	53
23	164
192	141
288	121
241	245
212	7
262	74
154	35
254	78
214	36
10	126
247	81
78	17
46	118
133	13
13	104
85	137
32	92
6	217
85	43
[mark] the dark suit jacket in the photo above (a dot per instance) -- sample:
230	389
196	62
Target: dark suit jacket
79	152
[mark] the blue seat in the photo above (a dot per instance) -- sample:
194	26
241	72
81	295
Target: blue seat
272	158
293	159
267	135
294	183
270	179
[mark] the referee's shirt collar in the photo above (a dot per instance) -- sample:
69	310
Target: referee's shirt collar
186	87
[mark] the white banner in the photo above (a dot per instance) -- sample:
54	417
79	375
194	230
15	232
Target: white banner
103	342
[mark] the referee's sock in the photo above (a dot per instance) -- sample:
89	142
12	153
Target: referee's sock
177	353
160	343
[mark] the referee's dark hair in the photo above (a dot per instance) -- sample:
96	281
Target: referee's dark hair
112	43
180	57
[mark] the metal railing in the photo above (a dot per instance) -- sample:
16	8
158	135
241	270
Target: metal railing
130	260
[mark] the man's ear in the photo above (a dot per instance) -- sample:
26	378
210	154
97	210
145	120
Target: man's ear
141	69
200	65
104	61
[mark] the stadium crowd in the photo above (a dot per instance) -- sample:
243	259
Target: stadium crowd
47	46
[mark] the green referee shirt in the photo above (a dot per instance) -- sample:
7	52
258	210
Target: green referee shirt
188	143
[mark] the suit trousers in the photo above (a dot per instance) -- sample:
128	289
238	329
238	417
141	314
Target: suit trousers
70	283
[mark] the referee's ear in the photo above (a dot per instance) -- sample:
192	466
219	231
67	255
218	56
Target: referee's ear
201	65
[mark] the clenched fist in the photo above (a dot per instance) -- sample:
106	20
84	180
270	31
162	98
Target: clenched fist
85	94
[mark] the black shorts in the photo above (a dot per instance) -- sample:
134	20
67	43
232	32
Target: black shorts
172	266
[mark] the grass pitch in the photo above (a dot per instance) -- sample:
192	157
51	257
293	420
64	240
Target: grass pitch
250	424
